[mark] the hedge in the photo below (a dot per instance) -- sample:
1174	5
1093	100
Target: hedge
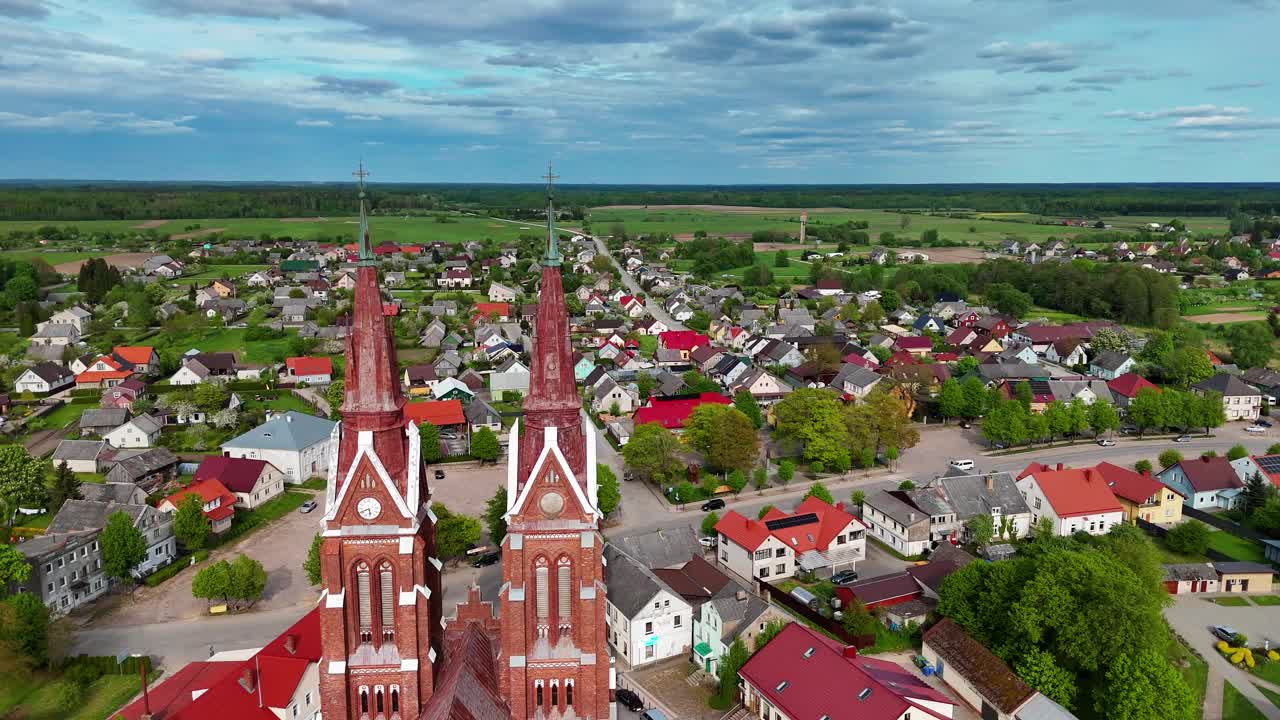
106	664
87	392
180	563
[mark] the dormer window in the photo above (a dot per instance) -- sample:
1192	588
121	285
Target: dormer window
809	652
782	686
995	510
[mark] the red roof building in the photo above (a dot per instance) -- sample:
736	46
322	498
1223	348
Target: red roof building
815	535
310	367
683	340
217	502
882	590
671	412
140	356
252	481
491	311
440	413
1074	500
807	676
1128	385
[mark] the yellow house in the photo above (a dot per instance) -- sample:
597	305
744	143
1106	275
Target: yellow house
1142	496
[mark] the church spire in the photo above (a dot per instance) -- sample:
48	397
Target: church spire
553	252
364	245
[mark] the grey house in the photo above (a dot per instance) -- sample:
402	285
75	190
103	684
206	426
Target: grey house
99	421
66	569
91	515
148	469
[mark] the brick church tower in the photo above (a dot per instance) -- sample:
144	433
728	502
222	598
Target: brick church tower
553	661
381	601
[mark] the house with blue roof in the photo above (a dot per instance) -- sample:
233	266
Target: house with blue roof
300	445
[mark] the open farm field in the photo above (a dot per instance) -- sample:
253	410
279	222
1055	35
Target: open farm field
118	260
383	228
1223	318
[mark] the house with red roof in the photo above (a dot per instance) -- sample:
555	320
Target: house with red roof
671	412
313	370
1206	483
632	305
492	311
280	680
816	537
1074	500
1141	495
916	345
441	413
455	278
253	482
217	502
105	371
804	675
1125	388
683	341
1268	466
142	358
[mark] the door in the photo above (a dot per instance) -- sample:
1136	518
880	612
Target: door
989	712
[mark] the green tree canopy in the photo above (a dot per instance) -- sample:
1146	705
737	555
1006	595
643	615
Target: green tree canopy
311	565
745	402
1251	344
22	479
190	526
64	486
494	510
484	445
724	435
455	533
820	491
429	441
652	454
608	492
123	546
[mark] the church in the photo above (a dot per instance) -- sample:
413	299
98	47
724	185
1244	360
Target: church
377	646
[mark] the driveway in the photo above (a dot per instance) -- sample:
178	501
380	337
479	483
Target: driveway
1192	616
466	487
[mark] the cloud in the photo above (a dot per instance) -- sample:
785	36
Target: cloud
856	91
92	121
372	143
725	44
1034	57
364	118
214	58
313	123
1227	87
354	86
864	25
1183	111
24	9
1234	122
482	81
523	59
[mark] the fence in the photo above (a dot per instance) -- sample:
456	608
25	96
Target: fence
1158	531
828	624
1223	524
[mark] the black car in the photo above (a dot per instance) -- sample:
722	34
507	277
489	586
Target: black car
712	504
439	474
628	699
486	559
1263	422
843	577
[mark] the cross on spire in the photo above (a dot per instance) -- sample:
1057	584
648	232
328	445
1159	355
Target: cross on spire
553	253
364	246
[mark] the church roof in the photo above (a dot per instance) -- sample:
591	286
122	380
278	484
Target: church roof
468	688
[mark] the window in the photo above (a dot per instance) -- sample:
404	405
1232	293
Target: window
555	694
386	593
648	652
363	602
48	567
677	621
540	583
839	539
762	554
764	572
648	628
1037	503
782	568
666	603
563	602
62	581
568	692
538	694
780	552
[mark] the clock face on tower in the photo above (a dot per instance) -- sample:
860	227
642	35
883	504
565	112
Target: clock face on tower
368	508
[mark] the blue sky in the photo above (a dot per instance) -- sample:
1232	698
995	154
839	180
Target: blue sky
630	91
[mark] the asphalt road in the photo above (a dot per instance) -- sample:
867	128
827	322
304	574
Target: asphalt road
653	306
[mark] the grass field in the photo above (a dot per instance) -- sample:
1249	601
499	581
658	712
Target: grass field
1269	671
35	698
1195	674
1237	707
62	417
1265	600
1237	548
227	340
383	229
1274	697
1231	602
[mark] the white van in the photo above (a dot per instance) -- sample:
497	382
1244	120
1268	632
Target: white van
964	464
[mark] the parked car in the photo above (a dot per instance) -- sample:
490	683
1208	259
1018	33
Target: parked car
628	699
1224	633
1107	442
707	542
844	577
966	424
653	714
962	464
439	474
1182	439
1260	421
1255	429
712	504
307	506
486	559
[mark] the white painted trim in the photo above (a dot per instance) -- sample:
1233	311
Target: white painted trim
513	463
516	594
406	546
591	465
408	664
414	474
437	563
336	600
551	449
516	661
431	655
365	449
337	667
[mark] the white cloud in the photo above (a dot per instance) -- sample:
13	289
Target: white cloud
91	121
314	123
364	118
1184	111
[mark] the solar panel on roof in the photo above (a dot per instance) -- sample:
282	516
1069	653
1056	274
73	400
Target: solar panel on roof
1270	464
793	521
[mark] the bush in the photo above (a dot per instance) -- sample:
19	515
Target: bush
1273	656
1241	640
83	674
67	696
1188	538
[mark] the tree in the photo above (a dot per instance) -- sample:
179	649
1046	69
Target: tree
652	454
13	567
746	403
1186	366
496	507
1143	685
1188	538
768	633
1169	458
209	397
429	442
857	497
22	480
1058	419
737	480
190	526
820	491
26	627
764	511
334	395
1236	452
1039	670
1147	410
975	396
1005	424
122	546
65	486
891	454
1273	449
1256	489
484	445
1077	417
1103	417
980	529
724	436
781	260
951	402
1208	411
455	533
311	565
873	313
881	420
730	664
608	493
1008	299
212	582
1251	344
1143	466
760	478
709	523
786	471
248	580
813	417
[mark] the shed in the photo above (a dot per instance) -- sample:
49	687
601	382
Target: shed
979	677
1244	576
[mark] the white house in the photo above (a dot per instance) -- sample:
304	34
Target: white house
501	293
1111	365
44	377
512	377
1240	401
140	432
764	387
608	394
300	445
51	335
815	537
645	620
1074	500
980	678
76	316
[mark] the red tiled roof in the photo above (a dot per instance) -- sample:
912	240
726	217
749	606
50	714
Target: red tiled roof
94	376
881	590
742	530
1074	492
135	354
486	309
1129	384
1125	483
1210	473
831	521
671	412
173	695
860	361
437	412
914	342
208	491
832	681
236	474
682	339
310	365
828	284
1273	477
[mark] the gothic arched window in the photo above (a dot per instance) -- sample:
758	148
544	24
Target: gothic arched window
363	602
541	591
568	692
537	693
386	592
563	594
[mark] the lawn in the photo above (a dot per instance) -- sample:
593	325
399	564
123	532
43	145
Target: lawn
1274	697
1237	707
1269	671
1231	602
648	344
36	699
65	416
37	522
227	340
1236	548
1265	600
1195	674
284	401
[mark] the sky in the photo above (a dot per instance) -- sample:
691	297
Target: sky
641	91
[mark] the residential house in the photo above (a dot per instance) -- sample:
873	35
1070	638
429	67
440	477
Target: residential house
448	364
205	367
977	676
124	394
609	395
216	502
1240	401
452	388
723	611
511	379
66	569
43	378
815	537
802	674
763	386
1183	579
298	444
92	515
140	432
1067	351
1111	365
149	469
1125	388
82	456
56	336
253	482
1268	466
480	414
645	620
1073	500
100	421
1205	483
311	370
456	278
75	316
895	521
1142	496
491	311
141	358
671	412
1240	577
499	293
682	341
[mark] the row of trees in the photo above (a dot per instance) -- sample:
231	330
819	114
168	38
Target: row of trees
833	435
239	583
1153	409
1129	294
1011	422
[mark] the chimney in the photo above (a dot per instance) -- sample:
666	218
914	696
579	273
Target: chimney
911	517
850	651
1059	466
247	679
991	483
291	644
740	596
1204	459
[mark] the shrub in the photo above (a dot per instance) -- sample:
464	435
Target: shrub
1241	640
1222	646
1188	538
83	674
1237	657
67	696
1273	656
